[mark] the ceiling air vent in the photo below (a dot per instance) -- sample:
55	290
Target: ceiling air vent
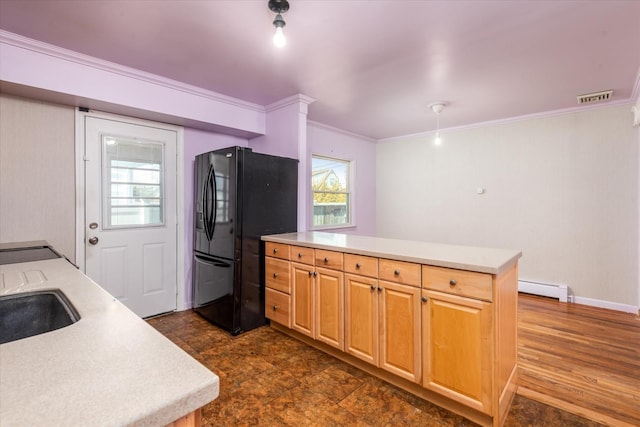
595	97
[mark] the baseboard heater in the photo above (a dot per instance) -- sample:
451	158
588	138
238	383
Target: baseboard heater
561	292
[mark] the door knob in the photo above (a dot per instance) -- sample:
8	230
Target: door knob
93	240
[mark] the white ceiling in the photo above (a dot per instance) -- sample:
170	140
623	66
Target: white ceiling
373	66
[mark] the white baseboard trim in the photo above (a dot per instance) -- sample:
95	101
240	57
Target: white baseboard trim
627	308
562	293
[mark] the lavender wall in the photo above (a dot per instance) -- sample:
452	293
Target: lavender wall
326	141
197	142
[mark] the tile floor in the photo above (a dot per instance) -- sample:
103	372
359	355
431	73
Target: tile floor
269	379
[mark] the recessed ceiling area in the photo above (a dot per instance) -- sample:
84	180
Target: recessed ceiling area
372	66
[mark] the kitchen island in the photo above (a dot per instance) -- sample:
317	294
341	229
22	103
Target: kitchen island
108	368
439	321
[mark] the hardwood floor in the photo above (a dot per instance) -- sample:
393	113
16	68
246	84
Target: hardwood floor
582	359
579	366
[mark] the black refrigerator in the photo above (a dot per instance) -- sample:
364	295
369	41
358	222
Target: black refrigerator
239	197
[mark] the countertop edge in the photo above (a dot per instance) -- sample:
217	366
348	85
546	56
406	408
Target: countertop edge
511	256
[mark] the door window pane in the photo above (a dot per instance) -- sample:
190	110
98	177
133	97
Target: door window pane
132	182
330	182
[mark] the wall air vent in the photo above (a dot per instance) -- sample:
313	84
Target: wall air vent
589	98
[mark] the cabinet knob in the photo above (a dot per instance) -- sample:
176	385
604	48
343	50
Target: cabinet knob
373	288
299	254
326	260
379	289
424	299
396	272
452	282
275	250
310	274
275	307
315	274
357	266
275	275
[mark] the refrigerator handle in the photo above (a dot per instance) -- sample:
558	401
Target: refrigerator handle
206	206
214	205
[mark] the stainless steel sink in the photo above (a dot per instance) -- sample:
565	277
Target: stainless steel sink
33	313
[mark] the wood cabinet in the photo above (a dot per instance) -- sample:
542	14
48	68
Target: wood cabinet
383	319
303	297
456	339
318	297
278	283
330	307
444	334
362	330
399	315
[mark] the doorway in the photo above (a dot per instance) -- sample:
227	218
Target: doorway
128	222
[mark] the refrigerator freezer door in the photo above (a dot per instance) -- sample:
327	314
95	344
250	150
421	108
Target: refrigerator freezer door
214	295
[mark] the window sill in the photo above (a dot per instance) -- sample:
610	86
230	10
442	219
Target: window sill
332	227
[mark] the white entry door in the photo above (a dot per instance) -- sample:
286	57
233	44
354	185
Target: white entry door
130	213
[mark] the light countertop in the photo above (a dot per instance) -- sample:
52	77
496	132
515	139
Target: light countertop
484	260
109	368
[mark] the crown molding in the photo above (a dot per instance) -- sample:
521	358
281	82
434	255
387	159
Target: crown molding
299	99
341	131
545	114
22	42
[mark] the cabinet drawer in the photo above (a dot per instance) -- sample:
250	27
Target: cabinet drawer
407	273
458	282
302	254
277	274
278	307
329	259
360	264
276	250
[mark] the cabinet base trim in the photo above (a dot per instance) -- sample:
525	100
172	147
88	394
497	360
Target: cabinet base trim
413	388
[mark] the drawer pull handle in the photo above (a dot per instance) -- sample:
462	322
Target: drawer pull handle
396	272
326	260
275	250
275	275
373	288
357	266
424	299
452	282
275	307
299	254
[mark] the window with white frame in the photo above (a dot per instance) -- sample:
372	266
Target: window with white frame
331	189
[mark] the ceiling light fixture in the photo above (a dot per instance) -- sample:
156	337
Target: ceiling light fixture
437	108
278	7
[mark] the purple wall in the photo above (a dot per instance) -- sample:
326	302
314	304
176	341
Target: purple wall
197	142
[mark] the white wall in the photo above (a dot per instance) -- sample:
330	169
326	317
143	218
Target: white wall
37	173
562	189
330	142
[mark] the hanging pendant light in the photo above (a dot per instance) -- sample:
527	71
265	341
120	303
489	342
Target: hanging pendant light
437	108
279	7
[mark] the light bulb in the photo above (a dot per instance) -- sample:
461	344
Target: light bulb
279	40
437	140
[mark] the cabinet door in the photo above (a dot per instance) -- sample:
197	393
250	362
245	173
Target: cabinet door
361	317
400	330
330	307
457	338
303	298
